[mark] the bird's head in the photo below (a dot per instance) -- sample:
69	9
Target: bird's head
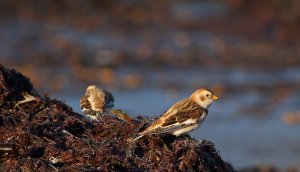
203	97
90	89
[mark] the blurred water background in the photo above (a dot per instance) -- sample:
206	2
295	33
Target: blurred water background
150	54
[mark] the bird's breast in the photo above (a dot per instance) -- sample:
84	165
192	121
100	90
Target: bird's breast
203	116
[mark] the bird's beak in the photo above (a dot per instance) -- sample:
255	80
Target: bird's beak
214	97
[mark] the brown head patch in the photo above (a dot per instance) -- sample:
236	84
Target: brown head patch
202	98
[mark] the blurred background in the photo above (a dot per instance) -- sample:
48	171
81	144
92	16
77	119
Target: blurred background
151	53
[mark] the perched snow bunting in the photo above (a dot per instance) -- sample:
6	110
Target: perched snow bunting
96	102
183	117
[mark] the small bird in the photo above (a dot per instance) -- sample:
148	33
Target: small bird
184	116
96	102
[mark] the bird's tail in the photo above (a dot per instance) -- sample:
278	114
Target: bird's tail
133	139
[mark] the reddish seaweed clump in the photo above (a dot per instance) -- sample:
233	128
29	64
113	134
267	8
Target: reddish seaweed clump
43	134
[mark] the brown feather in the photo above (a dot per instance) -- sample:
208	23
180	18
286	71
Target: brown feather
181	111
96	101
182	116
84	103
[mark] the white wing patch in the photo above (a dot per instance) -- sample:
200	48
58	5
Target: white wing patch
190	121
185	130
203	116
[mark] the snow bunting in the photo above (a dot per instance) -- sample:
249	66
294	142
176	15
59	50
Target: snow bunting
96	102
183	117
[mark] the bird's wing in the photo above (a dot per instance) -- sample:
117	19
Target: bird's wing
84	103
181	114
184	117
86	106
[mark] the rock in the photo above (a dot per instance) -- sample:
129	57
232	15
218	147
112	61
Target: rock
43	134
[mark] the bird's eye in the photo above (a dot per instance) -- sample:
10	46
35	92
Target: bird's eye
207	95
